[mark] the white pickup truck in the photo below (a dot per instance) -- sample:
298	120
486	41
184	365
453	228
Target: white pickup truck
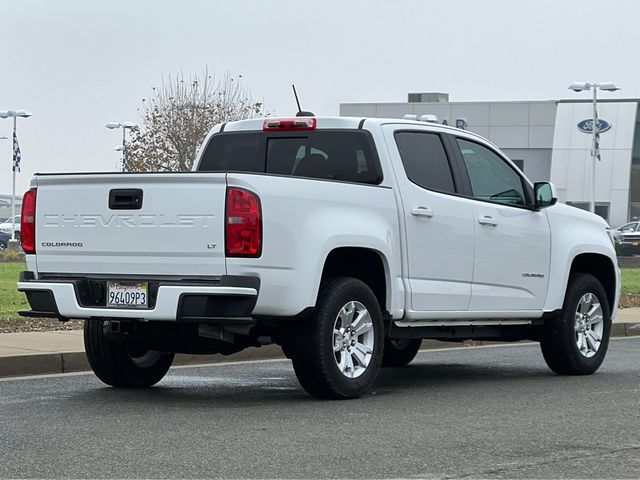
344	240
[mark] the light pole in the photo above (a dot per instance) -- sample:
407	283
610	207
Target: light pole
15	164
585	86
124	126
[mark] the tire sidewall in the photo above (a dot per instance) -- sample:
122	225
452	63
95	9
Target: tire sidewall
113	364
350	290
562	334
591	286
400	354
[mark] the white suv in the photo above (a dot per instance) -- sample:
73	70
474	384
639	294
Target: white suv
5	225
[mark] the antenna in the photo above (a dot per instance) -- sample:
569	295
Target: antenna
295	94
300	113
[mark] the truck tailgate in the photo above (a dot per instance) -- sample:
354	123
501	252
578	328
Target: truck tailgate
131	224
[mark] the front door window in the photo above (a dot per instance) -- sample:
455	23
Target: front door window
492	179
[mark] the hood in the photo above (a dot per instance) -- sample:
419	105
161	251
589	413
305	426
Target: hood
562	210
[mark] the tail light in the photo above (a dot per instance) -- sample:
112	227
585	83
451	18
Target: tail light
284	124
243	224
28	222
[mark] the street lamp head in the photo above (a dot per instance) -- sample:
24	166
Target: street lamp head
608	86
15	113
113	125
580	86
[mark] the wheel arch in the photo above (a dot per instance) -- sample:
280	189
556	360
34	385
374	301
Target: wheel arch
601	267
366	264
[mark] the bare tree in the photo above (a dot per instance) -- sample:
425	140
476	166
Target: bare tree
178	116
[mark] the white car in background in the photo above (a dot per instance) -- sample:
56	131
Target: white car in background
5	226
627	238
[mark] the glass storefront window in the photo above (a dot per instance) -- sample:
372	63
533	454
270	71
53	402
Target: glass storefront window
636	141
602	209
634	182
634	212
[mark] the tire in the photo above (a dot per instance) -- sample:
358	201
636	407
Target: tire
561	335
399	353
121	366
346	365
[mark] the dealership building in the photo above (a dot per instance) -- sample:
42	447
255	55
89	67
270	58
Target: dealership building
548	140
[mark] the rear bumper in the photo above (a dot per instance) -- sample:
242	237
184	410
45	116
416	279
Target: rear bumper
179	300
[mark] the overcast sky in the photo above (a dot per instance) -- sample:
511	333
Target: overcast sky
79	64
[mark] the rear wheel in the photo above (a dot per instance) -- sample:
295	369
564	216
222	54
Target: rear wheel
339	354
576	341
120	366
400	352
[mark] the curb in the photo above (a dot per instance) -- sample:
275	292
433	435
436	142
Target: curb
69	362
625	329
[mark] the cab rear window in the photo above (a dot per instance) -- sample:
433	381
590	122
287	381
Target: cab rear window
344	155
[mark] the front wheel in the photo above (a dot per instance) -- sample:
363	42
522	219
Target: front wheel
120	366
338	356
576	341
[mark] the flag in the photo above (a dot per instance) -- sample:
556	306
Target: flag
596	140
16	153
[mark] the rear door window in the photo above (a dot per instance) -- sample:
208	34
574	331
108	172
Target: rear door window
344	155
425	161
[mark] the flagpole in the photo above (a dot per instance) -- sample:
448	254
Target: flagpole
595	146
13	193
15	164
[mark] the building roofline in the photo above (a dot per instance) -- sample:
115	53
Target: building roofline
450	103
600	100
561	100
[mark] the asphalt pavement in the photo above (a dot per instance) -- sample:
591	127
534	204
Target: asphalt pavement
39	353
491	412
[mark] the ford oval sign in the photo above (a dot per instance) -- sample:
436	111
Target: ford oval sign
586	125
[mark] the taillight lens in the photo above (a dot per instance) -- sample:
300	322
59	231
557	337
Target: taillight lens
286	124
28	222
243	224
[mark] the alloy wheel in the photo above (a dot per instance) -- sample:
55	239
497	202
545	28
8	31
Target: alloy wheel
353	339
589	325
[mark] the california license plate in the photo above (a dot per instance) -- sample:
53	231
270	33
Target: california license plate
128	294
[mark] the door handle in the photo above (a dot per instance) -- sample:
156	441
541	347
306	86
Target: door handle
487	220
422	212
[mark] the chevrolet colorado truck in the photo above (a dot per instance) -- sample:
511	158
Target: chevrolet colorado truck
344	240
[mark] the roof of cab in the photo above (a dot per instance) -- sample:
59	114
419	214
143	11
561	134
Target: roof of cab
326	122
335	122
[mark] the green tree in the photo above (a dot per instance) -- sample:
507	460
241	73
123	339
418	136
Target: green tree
179	114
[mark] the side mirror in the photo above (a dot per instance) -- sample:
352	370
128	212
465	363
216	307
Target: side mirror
544	194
